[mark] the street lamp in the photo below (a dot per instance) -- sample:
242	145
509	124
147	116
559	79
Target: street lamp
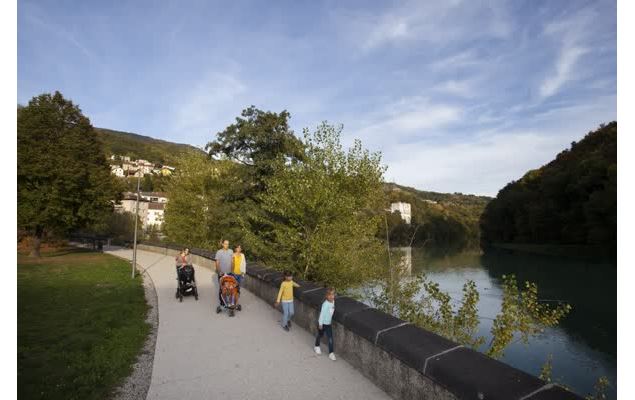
136	222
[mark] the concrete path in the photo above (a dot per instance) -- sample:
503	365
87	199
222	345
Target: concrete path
203	355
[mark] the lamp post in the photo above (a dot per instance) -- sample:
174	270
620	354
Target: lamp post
136	222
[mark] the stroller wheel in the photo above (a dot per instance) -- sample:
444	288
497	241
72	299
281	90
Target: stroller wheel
176	295
239	307
180	297
231	313
218	310
195	294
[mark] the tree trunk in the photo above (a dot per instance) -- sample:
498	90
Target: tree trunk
37	241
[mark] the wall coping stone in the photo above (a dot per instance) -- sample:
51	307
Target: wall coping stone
367	323
345	306
471	374
413	345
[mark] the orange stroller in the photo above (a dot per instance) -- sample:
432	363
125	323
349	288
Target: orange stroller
228	294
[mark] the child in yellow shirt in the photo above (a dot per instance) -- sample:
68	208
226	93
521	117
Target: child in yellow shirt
286	295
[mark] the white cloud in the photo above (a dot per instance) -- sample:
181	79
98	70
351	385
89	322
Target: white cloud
462	59
480	165
411	117
210	104
431	22
392	28
461	88
484	162
564	70
61	33
571	33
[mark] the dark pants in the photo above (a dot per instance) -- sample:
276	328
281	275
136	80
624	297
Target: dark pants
329	334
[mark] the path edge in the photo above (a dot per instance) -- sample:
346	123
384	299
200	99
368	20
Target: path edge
137	384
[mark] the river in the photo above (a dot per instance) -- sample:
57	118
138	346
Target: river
583	346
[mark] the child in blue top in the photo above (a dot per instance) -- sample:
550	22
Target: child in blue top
324	323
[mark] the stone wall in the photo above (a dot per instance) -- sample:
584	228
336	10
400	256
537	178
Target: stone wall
404	360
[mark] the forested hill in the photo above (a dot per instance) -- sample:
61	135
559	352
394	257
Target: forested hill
446	220
141	147
570	201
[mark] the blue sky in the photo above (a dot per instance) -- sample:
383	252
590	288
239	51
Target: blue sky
459	96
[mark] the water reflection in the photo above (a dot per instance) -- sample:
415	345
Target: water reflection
583	346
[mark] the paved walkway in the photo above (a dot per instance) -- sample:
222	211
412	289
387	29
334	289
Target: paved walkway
203	355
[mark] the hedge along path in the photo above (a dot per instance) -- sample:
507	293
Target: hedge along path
201	354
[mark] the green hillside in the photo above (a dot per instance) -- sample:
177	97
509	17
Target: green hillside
141	147
448	220
570	201
439	219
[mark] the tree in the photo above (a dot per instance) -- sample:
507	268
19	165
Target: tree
422	303
196	214
262	142
571	200
120	227
320	212
64	180
147	184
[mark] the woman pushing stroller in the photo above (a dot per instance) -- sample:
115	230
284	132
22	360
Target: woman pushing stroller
185	275
182	260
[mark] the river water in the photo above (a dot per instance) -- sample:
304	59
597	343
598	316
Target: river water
583	346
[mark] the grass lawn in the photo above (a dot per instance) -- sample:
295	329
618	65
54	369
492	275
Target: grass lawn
81	324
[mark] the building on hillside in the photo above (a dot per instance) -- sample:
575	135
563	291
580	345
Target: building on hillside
154	215
430	201
125	159
117	171
145	166
404	210
128	204
127	166
155	197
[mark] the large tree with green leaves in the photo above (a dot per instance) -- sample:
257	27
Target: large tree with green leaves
64	181
320	212
196	214
261	142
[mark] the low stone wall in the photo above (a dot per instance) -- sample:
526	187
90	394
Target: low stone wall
404	360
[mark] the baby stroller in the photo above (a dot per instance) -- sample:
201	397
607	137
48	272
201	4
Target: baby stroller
228	293
187	283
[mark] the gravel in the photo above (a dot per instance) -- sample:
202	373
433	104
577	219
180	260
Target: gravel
137	384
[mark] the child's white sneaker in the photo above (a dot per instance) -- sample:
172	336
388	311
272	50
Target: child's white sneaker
332	356
317	350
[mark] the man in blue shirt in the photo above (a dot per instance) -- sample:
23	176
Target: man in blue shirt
223	265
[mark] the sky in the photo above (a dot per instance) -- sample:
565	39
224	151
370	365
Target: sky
459	96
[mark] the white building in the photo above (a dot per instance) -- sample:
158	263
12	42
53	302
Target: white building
128	205
155	214
155	197
404	210
117	171
145	166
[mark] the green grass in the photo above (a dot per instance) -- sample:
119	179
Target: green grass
81	324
